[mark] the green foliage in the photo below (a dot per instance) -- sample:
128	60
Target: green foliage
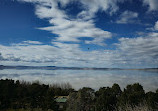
23	95
132	94
61	89
152	99
106	97
133	97
82	100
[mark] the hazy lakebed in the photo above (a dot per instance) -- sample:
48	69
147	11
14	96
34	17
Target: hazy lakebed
85	78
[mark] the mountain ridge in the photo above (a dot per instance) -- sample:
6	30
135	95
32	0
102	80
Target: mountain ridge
67	68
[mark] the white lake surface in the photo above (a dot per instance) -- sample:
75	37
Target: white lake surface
86	78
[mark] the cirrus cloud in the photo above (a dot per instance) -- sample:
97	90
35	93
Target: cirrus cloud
71	29
127	17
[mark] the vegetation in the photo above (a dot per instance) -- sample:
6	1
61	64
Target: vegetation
24	96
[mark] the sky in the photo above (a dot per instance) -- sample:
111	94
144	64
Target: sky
79	33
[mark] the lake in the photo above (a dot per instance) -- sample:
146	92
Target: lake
86	78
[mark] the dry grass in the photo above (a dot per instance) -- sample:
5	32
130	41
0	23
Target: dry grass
35	109
141	107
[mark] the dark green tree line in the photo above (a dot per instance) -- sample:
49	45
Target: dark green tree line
24	95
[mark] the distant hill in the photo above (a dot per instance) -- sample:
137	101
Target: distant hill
54	68
1	67
68	68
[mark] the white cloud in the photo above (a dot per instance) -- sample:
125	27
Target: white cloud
28	42
60	54
156	26
130	52
153	4
92	6
141	50
153	34
1	58
153	28
70	29
127	17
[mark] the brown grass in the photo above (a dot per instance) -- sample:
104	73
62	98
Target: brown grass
141	107
35	109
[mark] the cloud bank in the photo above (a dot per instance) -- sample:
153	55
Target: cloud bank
131	52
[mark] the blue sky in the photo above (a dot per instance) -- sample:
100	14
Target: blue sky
81	33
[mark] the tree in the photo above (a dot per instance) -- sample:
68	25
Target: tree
133	94
106	98
152	99
82	100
